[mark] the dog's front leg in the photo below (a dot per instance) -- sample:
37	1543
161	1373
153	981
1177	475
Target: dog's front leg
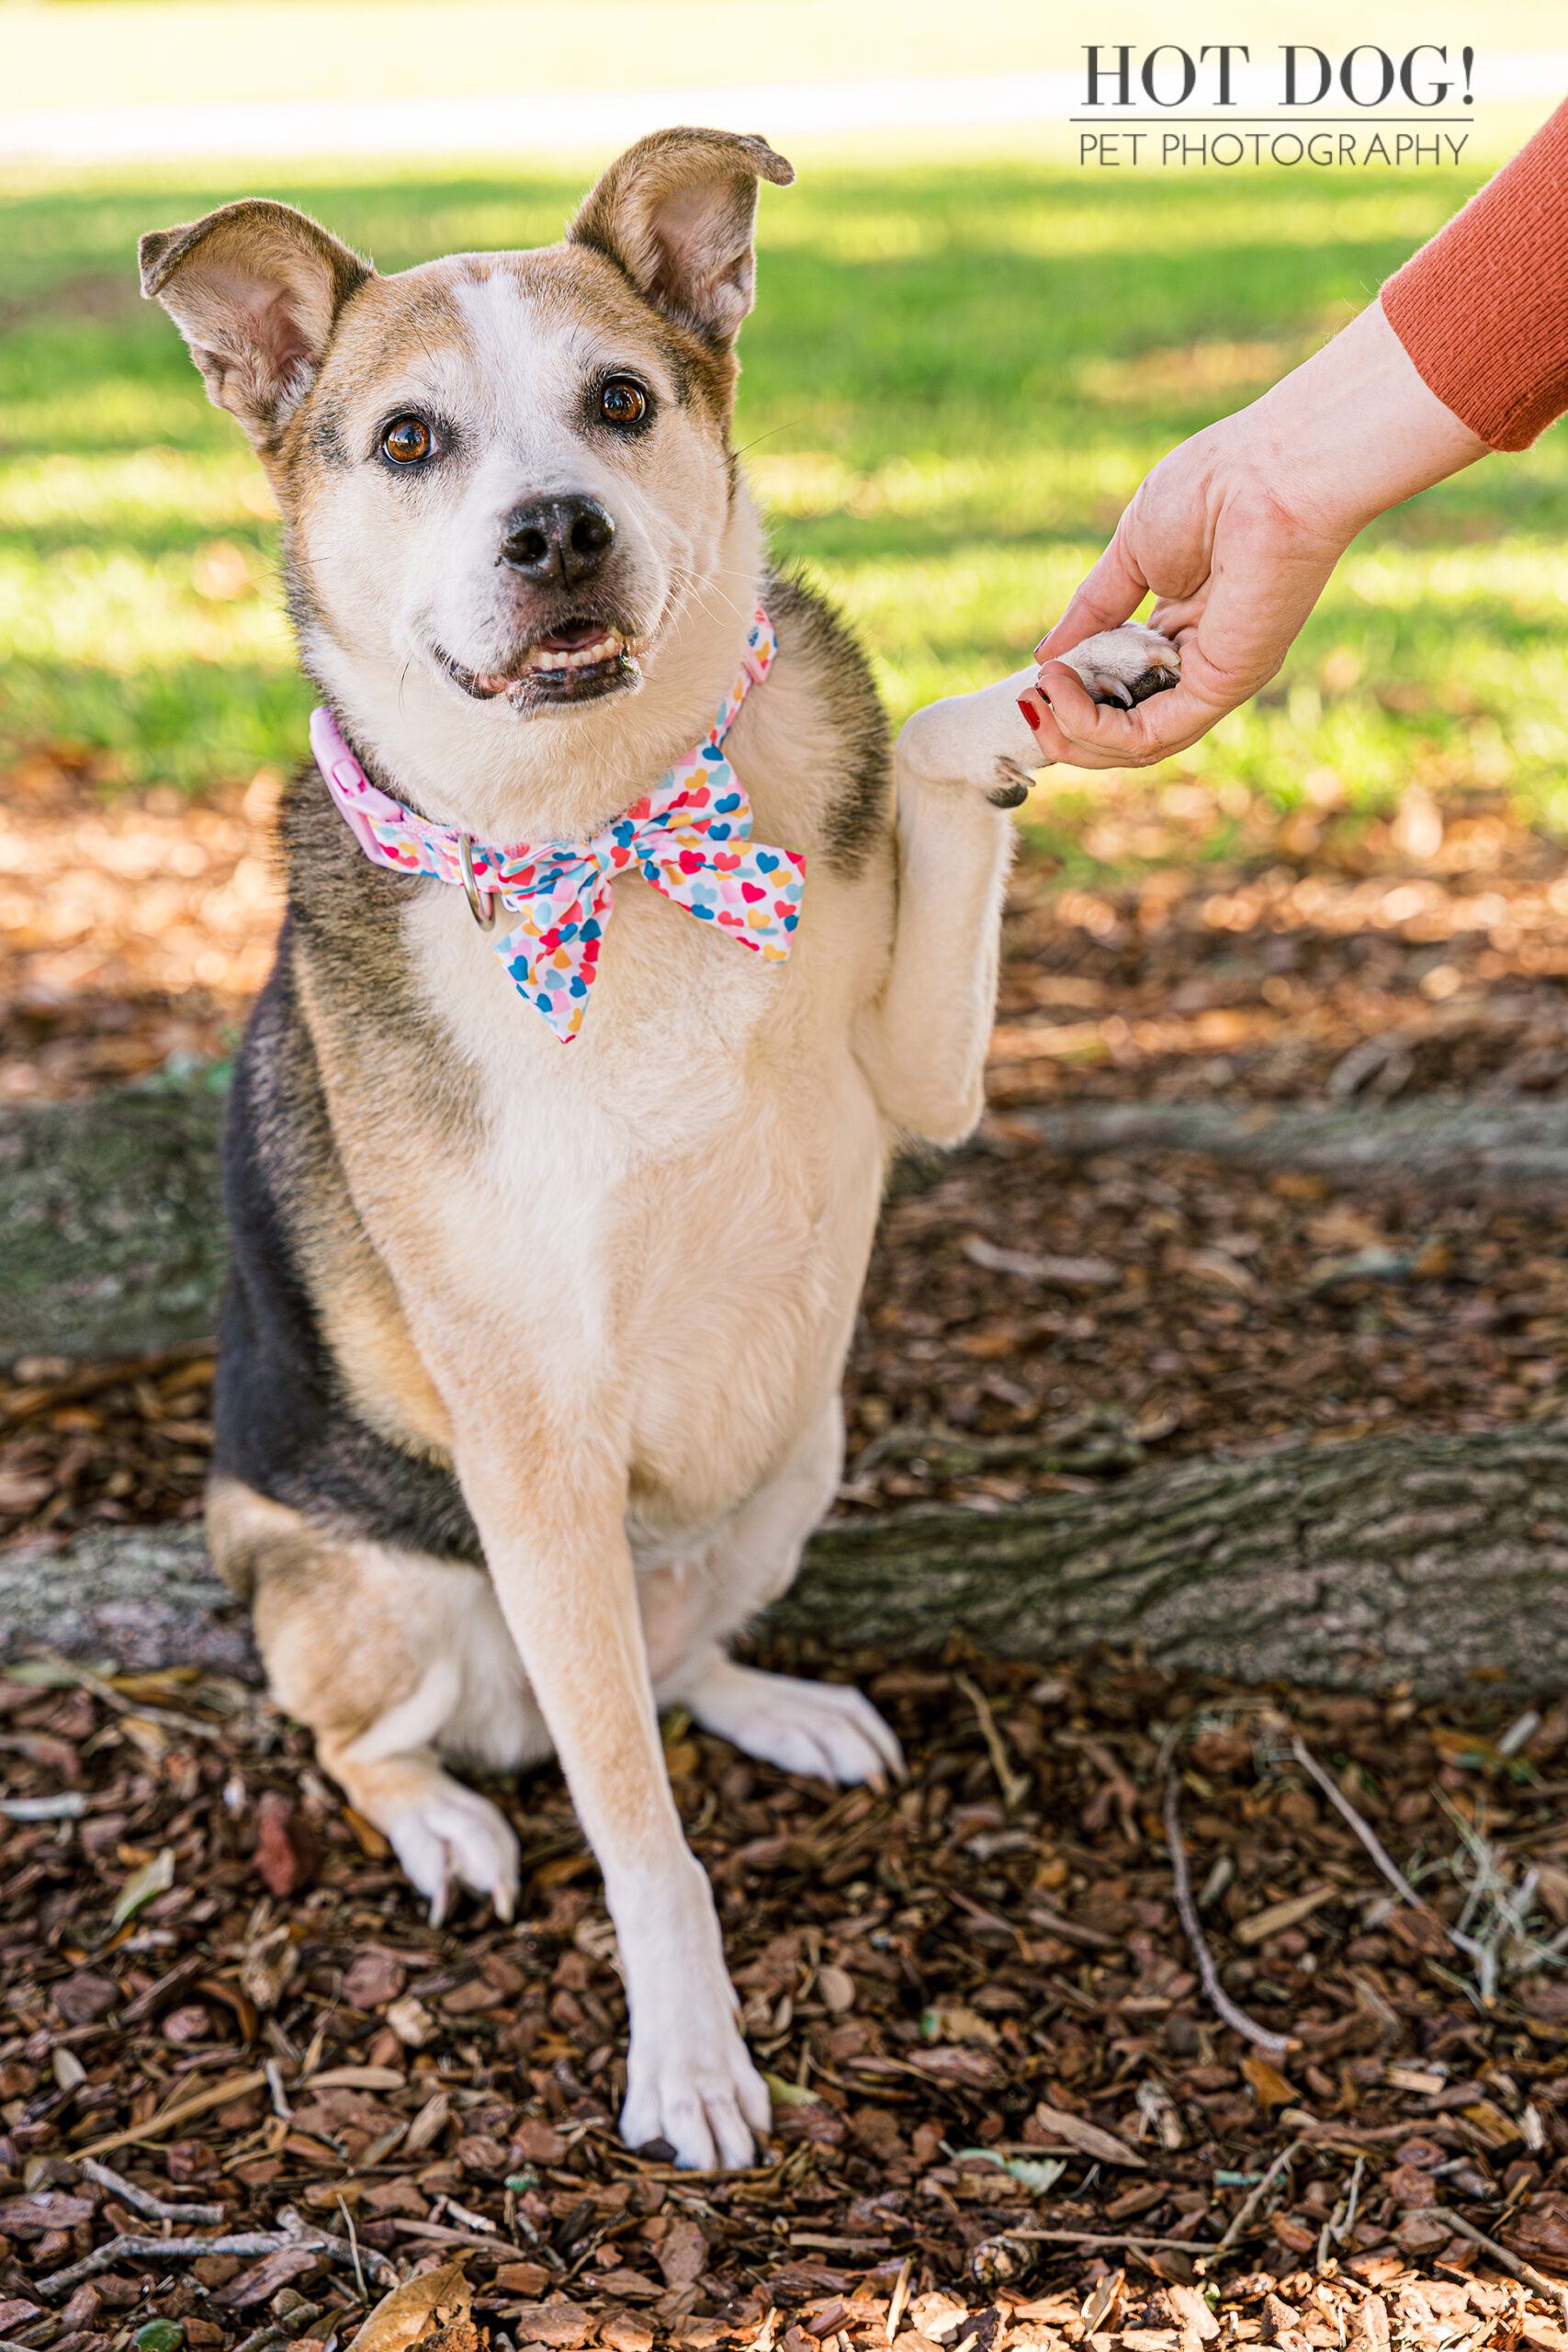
961	766
557	1555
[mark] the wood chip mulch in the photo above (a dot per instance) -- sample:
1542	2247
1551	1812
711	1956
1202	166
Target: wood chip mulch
1007	2111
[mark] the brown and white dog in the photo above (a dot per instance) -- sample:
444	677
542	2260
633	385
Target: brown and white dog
530	1364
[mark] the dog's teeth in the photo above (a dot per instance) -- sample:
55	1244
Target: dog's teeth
580	657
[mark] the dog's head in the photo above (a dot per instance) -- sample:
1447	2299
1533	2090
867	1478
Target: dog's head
503	475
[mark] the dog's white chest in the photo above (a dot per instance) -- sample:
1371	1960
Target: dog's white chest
673	1210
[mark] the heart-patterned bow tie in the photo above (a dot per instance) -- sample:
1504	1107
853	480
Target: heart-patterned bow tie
690	837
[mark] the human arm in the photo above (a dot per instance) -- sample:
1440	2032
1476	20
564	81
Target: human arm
1237	530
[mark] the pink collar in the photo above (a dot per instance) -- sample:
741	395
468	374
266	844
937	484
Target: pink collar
690	837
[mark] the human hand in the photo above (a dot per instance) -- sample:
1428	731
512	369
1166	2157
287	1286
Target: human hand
1236	532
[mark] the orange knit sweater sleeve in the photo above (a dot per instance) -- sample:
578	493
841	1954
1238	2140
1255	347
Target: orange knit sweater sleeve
1482	310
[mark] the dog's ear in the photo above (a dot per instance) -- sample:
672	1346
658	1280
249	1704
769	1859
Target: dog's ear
255	289
676	212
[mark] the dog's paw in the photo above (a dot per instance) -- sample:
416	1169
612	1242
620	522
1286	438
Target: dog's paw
976	742
825	1729
693	2086
1126	665
443	1833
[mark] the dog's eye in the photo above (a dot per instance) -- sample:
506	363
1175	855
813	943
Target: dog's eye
408	441
623	402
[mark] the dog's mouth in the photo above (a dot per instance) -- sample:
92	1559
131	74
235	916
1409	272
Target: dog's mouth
579	659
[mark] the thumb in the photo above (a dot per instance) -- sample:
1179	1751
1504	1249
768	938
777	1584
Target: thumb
1110	594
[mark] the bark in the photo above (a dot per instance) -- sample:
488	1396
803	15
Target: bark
111	1224
1390	1558
1434	1139
1396	1557
111	1238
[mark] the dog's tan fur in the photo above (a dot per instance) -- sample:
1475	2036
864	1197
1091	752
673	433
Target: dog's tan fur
582	1308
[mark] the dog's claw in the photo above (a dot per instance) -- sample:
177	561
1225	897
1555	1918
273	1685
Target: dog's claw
1123	667
1013	790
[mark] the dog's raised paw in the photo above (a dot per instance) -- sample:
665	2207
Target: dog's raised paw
826	1729
1125	666
449	1834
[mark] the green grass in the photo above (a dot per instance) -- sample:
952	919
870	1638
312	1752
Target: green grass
954	379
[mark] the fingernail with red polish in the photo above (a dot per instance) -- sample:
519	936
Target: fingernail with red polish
1029	713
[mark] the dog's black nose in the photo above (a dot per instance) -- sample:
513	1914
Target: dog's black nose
558	538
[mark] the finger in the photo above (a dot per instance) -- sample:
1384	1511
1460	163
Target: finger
1079	733
1107	595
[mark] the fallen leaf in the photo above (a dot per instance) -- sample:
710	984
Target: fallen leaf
415	2310
784	2094
1087	2137
1213	1266
836	1987
429	2123
1269	2085
1102	2307
153	1878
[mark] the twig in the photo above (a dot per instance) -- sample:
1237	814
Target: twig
1279	2165
281	2106
1123	1790
1220	2001
301	2232
252	2244
1363	1829
436	2234
1342	2220
261	2339
121	1705
1138	2246
1014	1786
354	2248
217	2096
1525	2271
142	2200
